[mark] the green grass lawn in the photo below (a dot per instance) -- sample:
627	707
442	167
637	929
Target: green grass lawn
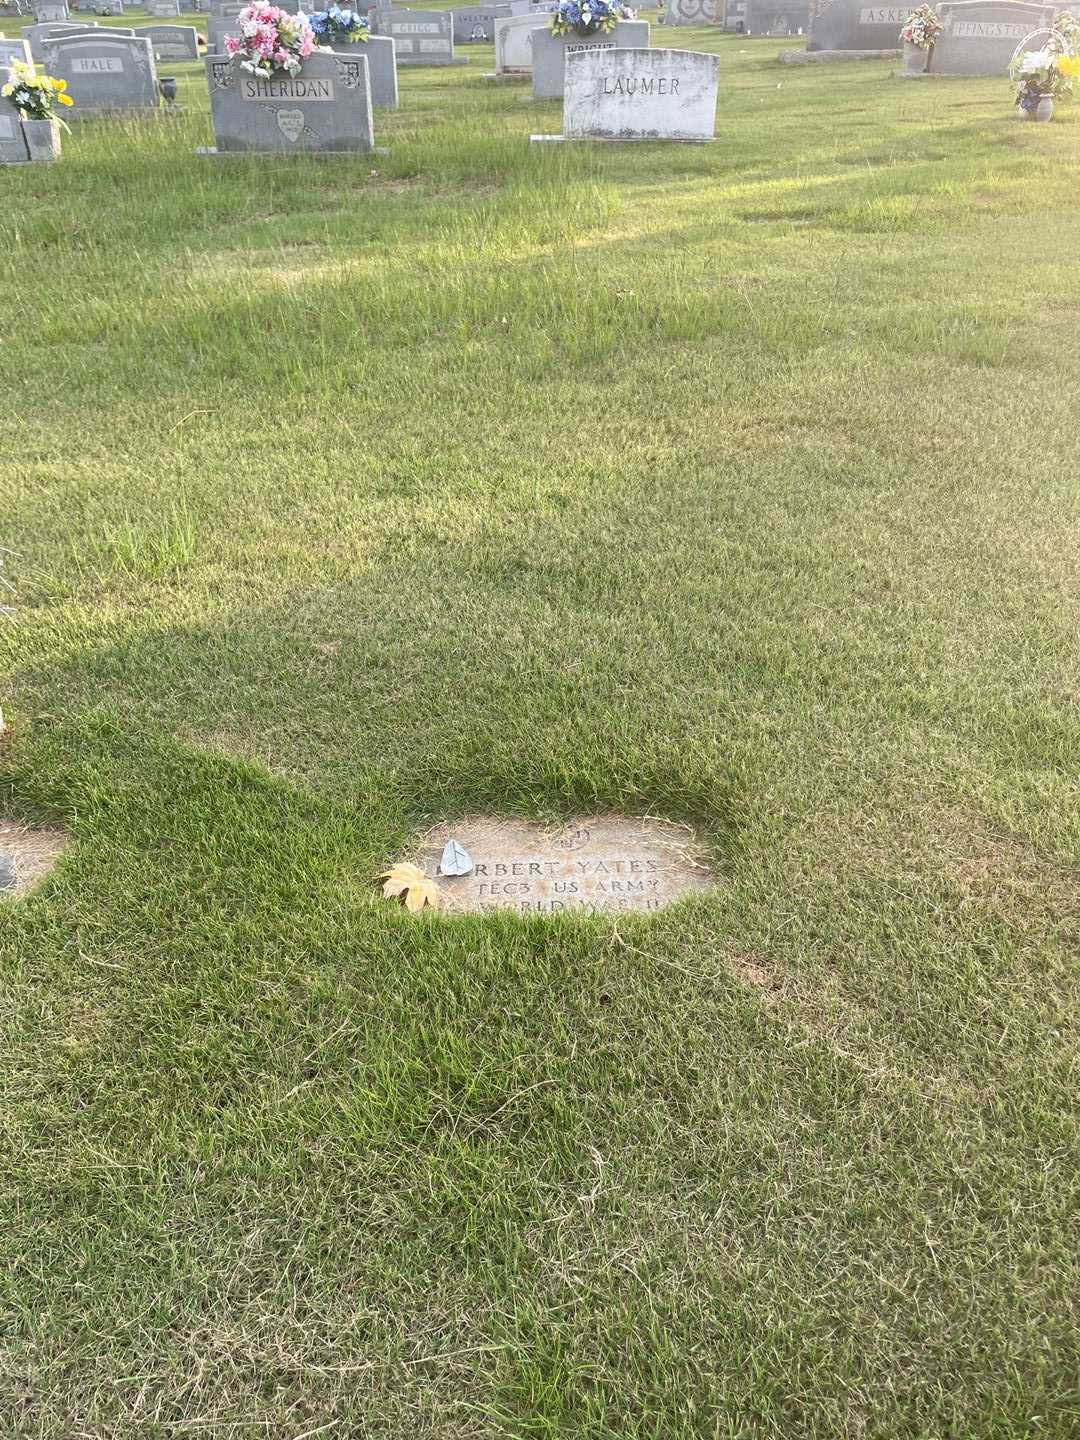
736	484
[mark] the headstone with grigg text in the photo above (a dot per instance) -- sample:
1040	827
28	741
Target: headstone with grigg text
979	37
104	70
325	109
421	37
640	95
549	52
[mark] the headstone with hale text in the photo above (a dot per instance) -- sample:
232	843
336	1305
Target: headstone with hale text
104	70
171	42
476	24
421	37
325	109
549	52
640	95
979	37
514	42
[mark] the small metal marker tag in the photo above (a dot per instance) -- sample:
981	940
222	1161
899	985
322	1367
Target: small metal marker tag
456	860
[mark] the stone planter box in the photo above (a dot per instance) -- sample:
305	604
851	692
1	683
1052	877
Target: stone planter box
42	140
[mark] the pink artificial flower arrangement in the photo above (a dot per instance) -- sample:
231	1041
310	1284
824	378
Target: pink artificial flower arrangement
271	39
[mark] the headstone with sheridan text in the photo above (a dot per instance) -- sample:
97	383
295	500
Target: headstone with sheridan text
325	109
549	52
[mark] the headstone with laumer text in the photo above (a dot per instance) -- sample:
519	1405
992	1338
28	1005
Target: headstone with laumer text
105	71
979	37
325	109
549	52
640	95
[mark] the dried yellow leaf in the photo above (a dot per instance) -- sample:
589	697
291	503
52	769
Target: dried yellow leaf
411	882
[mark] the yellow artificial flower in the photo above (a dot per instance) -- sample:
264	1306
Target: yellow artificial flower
7	90
1069	64
65	100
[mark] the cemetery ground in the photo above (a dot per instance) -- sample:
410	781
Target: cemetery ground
735	484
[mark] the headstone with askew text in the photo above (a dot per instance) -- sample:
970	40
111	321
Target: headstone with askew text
105	71
421	37
979	37
171	42
855	25
324	109
640	95
475	25
549	52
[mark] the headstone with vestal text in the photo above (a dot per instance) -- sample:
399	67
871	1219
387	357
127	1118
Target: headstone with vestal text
325	109
549	52
476	24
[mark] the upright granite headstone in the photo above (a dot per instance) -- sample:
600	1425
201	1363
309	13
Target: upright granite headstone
46	10
694	12
775	17
217	27
164	9
421	37
104	71
13	149
326	109
477	25
11	50
171	42
979	37
111	8
514	42
550	51
382	67
854	25
640	95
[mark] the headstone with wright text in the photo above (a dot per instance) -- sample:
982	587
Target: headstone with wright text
325	109
549	52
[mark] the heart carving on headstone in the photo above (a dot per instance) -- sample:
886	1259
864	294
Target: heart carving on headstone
291	124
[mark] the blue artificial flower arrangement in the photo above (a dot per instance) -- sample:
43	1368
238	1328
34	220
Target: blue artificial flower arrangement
339	23
585	17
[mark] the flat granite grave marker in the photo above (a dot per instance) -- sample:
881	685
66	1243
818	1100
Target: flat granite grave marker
104	70
514	42
171	42
640	95
477	25
421	37
549	52
325	109
596	864
854	25
979	37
